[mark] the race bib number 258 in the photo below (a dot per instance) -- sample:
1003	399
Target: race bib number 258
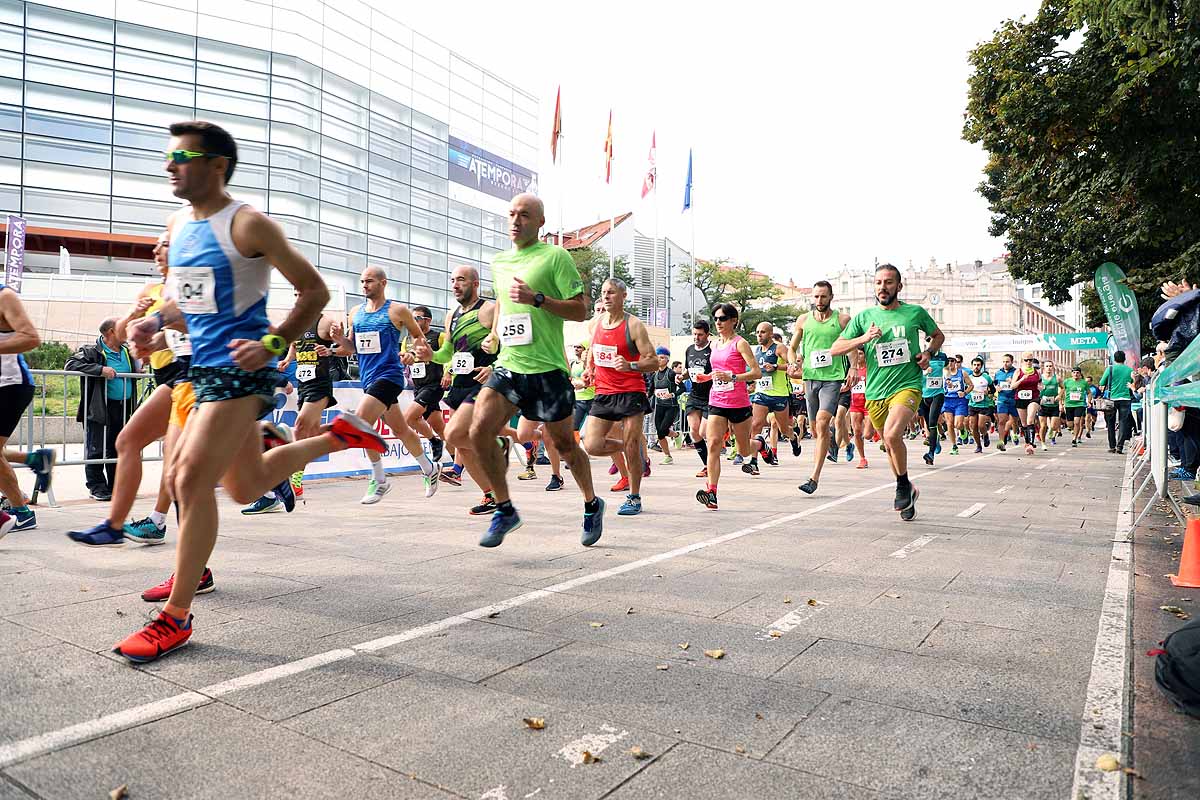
516	329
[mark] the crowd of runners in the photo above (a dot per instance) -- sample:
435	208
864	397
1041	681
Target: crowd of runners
842	384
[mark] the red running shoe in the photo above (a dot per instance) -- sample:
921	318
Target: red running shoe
355	432
620	486
159	637
156	594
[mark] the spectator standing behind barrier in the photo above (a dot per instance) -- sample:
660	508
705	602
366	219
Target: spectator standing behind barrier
105	402
1115	382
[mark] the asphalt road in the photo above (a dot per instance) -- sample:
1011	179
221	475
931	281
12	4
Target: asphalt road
367	652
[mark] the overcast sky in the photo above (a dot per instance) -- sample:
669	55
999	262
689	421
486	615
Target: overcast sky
824	133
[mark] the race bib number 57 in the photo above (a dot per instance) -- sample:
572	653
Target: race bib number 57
892	354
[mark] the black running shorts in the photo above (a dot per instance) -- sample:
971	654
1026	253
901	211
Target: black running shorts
616	407
538	396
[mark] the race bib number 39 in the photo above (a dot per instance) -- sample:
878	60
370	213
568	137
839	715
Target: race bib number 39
194	289
892	354
820	358
463	364
516	329
306	372
605	355
367	342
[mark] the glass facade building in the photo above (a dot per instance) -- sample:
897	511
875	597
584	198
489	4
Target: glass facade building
368	142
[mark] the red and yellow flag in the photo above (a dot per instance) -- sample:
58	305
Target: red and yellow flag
608	151
557	132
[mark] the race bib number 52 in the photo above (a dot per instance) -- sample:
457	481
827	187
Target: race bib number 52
463	364
892	354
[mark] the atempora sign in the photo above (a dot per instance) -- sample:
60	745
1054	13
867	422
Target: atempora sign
1120	306
487	172
14	252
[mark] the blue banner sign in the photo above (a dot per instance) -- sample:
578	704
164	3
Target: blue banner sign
488	173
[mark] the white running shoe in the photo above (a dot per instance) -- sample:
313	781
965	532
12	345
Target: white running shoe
375	492
431	483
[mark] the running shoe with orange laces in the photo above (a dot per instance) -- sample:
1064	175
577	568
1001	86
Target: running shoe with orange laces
354	431
160	636
156	594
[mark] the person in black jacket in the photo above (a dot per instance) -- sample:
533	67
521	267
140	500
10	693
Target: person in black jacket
105	402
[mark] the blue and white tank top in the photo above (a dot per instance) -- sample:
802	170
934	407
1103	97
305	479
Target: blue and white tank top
13	369
377	343
955	383
222	293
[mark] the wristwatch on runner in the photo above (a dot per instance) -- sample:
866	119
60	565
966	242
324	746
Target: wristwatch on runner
275	344
538	299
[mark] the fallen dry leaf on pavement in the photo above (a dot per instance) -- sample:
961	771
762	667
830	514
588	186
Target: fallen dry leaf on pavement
684	645
1130	771
119	793
1176	610
776	634
663	667
758	716
893	596
812	602
638	753
597	624
1108	763
588	758
629	610
717	654
534	723
739	749
787	600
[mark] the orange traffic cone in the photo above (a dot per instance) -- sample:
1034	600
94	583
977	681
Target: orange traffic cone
1189	562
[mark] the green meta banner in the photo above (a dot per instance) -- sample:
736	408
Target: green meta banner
1084	340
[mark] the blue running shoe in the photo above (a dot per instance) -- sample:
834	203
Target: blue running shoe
849	453
938	450
102	535
593	525
285	494
737	459
145	531
1177	474
267	504
26	519
832	455
631	506
42	463
502	525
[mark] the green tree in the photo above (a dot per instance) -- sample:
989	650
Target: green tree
48	355
592	264
1093	152
779	315
718	282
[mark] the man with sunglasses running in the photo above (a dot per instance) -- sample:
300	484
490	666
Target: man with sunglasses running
221	257
891	333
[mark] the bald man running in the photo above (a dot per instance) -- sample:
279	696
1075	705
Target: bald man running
375	336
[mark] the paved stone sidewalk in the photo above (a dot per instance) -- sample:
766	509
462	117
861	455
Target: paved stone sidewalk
863	656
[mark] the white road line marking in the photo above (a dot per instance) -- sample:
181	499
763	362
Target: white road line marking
1104	707
594	743
41	744
912	547
972	510
789	621
1003	489
1043	466
1027	475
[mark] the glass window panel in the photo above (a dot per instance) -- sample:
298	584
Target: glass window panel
286	180
81	25
145	212
143	187
65	203
387	248
10	170
342	131
429	125
424	219
434	298
68	126
390	209
59	98
497	222
72	51
296	205
393	190
347	176
348	112
463	249
69	152
295	114
389	169
232	78
336	193
341	260
294	158
466	213
151	113
247	105
427	277
389	149
295	136
391	109
11	91
429	183
10	202
249	176
429	144
387	229
297	228
167	91
397	274
291	66
144	137
239	127
160	66
252	153
343	239
428	239
154	40
463	230
389	128
428	202
357	94
10	145
135	229
421	257
340	151
498	241
12	12
139	162
295	91
11	65
233	55
347	283
61	73
335	60
308	250
342	217
431	164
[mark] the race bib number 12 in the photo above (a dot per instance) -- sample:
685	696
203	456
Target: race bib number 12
820	358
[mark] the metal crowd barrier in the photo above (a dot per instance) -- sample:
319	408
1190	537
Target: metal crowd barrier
54	431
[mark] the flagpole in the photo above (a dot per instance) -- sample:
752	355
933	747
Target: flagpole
654	264
693	270
562	189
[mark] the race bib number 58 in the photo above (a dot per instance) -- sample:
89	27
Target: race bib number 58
892	354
